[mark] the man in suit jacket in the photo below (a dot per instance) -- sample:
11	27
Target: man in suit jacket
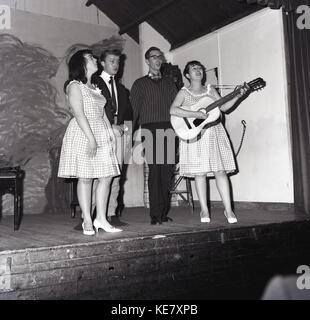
118	110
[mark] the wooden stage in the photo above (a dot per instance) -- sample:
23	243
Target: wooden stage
183	259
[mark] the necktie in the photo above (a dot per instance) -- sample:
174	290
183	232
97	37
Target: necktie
113	105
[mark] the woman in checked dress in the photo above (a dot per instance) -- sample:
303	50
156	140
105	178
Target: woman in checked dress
211	154
88	145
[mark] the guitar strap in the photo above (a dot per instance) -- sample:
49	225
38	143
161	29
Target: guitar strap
187	123
214	123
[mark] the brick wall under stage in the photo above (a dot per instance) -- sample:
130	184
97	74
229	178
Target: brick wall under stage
224	263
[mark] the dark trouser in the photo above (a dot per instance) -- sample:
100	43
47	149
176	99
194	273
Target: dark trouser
160	183
160	172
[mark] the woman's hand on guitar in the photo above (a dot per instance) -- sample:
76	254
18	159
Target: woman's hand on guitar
201	115
243	89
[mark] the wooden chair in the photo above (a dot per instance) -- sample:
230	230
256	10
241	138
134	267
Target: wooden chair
11	181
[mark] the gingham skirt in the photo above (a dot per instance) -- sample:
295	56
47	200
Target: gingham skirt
211	153
75	160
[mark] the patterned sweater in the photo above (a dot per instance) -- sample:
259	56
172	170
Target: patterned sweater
151	99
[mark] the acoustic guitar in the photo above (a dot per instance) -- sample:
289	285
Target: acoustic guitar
189	128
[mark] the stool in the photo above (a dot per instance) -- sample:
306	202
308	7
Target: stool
187	191
11	181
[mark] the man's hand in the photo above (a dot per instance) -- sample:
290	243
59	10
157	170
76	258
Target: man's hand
118	131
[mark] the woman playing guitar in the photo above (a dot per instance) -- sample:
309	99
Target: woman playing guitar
210	154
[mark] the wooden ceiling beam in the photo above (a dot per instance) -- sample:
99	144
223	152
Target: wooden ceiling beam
145	16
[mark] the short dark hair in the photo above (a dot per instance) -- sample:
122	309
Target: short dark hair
148	51
114	52
77	67
195	63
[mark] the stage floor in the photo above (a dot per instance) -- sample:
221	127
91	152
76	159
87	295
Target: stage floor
49	230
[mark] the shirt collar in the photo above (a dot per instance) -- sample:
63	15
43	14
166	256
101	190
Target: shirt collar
154	76
105	76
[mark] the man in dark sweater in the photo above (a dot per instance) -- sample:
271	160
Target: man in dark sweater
151	97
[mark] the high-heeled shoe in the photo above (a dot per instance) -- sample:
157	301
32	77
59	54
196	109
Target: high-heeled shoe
204	219
98	225
87	232
230	219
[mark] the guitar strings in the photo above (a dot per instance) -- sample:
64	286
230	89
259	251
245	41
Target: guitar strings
225	86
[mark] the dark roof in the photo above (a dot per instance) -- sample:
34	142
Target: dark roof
178	21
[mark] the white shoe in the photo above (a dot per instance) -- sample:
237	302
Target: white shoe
204	219
88	232
109	228
230	219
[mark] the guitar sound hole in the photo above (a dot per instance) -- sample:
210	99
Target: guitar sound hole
197	122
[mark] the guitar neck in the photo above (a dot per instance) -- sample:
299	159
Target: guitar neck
223	100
